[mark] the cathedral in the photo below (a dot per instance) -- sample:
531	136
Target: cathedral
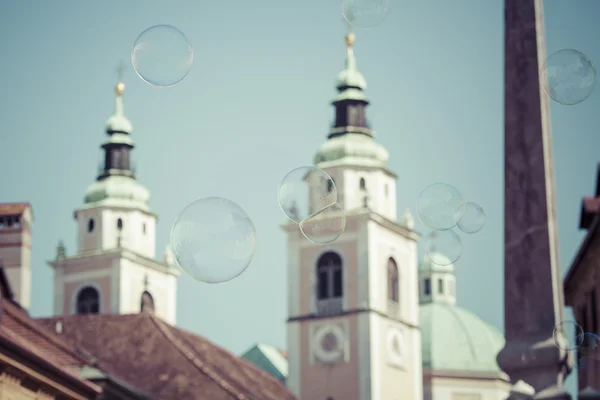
366	320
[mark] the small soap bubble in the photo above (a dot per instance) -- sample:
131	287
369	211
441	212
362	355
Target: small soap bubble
162	55
568	77
568	335
365	13
443	247
213	240
440	206
324	226
472	218
306	191
589	350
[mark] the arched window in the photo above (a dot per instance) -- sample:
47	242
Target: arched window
393	281
119	224
91	225
147	304
88	301
329	276
362	184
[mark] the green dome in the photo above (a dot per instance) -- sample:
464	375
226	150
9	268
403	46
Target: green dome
115	187
352	145
351	78
118	123
457	340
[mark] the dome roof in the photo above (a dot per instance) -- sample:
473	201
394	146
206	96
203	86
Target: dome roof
118	123
458	340
351	78
116	187
352	145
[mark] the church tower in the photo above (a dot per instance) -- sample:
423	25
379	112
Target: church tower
353	326
115	269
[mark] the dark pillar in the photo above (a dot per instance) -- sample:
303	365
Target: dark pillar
533	300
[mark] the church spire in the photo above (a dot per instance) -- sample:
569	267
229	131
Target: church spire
119	144
350	103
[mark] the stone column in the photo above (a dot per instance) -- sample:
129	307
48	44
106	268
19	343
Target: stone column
533	300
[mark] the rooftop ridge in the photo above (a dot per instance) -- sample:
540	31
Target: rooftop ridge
34	326
12	337
192	357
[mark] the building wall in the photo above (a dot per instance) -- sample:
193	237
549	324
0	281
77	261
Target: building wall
583	295
162	287
468	389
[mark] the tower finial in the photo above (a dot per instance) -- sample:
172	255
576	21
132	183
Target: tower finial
120	88
350	39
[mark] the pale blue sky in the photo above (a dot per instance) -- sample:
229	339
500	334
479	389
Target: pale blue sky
255	106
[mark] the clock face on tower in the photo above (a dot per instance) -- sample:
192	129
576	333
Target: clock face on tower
329	344
395	347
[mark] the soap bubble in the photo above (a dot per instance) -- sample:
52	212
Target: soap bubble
440	206
162	55
588	351
306	191
568	76
473	218
568	335
213	240
365	13
324	226
443	247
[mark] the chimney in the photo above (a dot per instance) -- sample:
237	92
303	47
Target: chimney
16	220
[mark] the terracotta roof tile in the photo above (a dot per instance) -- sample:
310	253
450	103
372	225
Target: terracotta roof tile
27	347
591	204
167	362
30	331
13	208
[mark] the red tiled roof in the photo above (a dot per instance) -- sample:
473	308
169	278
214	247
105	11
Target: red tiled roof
13	208
591	204
166	361
36	335
34	341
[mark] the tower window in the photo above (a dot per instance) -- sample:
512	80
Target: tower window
329	276
1	222
147	304
9	221
119	224
441	286
88	301
144	228
362	184
393	281
91	225
427	287
17	222
330	185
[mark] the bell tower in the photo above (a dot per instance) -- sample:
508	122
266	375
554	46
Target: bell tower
114	268
353	304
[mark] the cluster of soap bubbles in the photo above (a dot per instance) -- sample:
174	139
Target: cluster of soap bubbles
568	77
442	207
163	56
308	196
586	344
213	240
